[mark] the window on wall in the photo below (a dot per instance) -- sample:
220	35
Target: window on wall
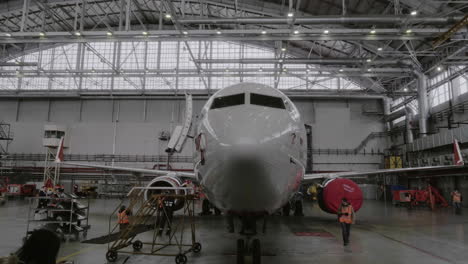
168	65
440	94
463	84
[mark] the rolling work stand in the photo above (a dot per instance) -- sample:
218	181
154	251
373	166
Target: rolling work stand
65	216
144	202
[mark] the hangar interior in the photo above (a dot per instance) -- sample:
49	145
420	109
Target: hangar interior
379	85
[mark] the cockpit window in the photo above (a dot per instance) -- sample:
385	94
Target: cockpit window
266	100
229	100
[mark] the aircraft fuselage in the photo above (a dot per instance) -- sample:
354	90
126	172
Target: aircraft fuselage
251	149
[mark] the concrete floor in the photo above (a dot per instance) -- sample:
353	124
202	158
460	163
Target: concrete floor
382	234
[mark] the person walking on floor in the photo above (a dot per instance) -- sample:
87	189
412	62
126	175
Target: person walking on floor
456	201
346	217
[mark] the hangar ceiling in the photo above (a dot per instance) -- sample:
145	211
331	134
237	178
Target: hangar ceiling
359	40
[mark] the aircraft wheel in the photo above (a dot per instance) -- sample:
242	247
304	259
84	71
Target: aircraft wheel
137	245
240	251
111	256
181	259
197	247
256	252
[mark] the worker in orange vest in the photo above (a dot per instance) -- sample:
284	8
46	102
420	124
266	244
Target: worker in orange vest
122	215
456	200
346	218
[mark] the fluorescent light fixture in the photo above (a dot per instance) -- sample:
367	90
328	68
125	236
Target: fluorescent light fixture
145	33
226	70
307	70
184	32
167	16
285	70
280	61
109	33
369	70
8	34
341	70
326	31
408	31
42	34
414	13
260	69
373	31
264	32
380	49
290	14
369	60
218	32
283	49
296	32
77	33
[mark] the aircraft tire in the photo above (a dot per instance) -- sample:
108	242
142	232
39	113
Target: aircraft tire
240	251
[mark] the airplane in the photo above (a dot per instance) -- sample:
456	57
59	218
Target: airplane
251	156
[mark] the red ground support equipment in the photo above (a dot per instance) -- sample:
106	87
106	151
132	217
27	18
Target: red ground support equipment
431	196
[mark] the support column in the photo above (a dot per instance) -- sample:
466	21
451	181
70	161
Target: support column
423	103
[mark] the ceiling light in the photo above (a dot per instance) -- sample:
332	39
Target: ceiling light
290	14
369	70
8	34
341	70
280	60
167	16
414	12
260	69
42	34
184	32
296	32
408	31
77	33
283	49
93	70
218	32
369	60
17	62
307	70
285	70
326	32
227	69
109	33
406	89
439	68
373	31
145	33
380	49
264	32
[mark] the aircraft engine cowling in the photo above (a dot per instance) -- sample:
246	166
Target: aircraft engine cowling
330	195
167	181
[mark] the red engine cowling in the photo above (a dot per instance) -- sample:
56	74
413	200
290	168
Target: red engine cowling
167	181
329	197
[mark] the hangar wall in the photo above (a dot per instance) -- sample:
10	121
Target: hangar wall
336	124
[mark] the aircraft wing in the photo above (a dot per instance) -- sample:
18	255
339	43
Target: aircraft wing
458	163
353	174
137	170
59	159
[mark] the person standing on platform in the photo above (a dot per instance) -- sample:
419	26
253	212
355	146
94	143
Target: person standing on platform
346	217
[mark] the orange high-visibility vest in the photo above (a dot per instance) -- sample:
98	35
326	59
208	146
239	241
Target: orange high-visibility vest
346	215
123	217
456	197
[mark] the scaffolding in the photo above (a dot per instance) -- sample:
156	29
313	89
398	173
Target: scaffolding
148	213
5	138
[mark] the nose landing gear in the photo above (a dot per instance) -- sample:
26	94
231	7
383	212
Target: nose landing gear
249	247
